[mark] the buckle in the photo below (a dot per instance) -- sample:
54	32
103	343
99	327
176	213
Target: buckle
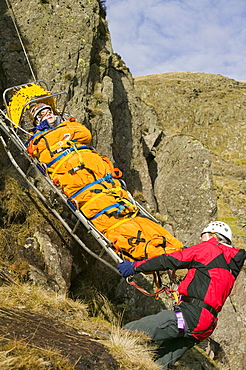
75	169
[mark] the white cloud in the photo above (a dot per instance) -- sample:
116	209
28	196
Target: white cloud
157	36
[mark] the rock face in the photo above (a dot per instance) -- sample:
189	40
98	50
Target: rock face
56	261
174	136
78	58
184	186
212	110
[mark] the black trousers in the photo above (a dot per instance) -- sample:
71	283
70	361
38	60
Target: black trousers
163	327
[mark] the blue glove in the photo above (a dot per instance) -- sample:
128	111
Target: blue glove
126	268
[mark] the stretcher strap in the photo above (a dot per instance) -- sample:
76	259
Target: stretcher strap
121	205
55	150
107	178
112	192
66	152
35	135
62	160
60	163
116	205
122	221
92	200
41	134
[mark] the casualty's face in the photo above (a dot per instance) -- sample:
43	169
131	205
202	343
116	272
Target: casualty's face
46	114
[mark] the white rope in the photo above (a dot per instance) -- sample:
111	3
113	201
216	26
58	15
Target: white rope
13	123
18	33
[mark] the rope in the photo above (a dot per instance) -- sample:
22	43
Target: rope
18	33
142	290
15	124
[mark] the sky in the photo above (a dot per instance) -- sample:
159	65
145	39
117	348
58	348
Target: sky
159	36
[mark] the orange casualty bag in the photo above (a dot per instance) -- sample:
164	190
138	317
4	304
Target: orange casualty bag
141	238
91	183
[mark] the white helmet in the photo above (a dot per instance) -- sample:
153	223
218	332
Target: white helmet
219	227
37	108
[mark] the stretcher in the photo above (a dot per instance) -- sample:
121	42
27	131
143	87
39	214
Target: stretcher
14	133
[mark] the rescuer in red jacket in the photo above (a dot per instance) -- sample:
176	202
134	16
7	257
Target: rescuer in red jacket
213	266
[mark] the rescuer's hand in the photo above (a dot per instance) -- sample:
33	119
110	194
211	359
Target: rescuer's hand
126	268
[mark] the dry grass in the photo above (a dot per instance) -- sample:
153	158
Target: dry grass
16	355
231	203
130	350
12	199
37	299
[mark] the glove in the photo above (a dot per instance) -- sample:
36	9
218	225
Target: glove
126	268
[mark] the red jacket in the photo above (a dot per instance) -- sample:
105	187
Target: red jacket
212	271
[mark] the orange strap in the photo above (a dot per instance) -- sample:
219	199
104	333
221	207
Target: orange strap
157	291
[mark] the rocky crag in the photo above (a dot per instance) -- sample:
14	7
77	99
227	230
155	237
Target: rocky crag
179	139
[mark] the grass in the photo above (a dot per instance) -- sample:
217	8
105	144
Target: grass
17	355
38	299
231	199
130	350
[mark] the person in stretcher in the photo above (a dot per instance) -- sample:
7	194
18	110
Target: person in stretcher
91	182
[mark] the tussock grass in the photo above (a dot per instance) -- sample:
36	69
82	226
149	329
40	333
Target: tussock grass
21	214
39	300
131	350
102	308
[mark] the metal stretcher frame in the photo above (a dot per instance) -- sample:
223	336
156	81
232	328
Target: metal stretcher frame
11	136
50	200
35	99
